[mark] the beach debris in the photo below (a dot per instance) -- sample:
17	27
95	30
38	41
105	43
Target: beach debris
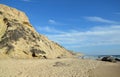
59	64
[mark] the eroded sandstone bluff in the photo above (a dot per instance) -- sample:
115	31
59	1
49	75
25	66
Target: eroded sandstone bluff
18	39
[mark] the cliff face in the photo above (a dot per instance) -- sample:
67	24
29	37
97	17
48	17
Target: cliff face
18	39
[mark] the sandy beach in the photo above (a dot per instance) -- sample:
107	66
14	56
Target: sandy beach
107	70
57	68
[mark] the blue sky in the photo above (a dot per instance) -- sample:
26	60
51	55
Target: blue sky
87	26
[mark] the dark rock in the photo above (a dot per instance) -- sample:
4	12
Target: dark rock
36	52
1	12
44	57
9	47
5	20
117	59
109	59
58	57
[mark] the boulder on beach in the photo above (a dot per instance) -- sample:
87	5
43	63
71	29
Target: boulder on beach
117	59
109	59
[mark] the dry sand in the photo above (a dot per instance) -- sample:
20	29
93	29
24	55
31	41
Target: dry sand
107	70
57	68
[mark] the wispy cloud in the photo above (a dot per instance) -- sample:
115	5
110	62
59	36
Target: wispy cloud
51	21
102	35
54	22
48	29
95	36
100	19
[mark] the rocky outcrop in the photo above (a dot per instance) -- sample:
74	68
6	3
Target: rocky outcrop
18	39
108	58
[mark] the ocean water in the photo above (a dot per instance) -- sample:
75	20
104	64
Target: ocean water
98	56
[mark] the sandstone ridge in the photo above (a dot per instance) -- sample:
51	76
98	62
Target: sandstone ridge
18	39
13	13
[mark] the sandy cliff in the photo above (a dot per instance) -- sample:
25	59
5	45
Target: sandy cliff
18	38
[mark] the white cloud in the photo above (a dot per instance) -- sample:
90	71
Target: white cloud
51	21
48	29
95	36
54	22
99	19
